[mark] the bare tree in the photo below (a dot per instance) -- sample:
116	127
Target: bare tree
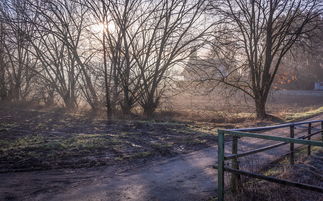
124	16
64	23
58	67
166	35
121	81
263	32
18	65
148	40
3	87
302	66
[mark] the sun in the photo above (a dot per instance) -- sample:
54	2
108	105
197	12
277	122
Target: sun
102	27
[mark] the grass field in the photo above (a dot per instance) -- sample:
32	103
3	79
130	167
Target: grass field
43	138
307	169
217	107
36	137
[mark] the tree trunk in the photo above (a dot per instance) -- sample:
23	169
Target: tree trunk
70	102
149	110
49	99
150	107
261	107
109	111
127	102
126	108
3	89
16	91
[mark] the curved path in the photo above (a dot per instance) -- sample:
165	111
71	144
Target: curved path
187	177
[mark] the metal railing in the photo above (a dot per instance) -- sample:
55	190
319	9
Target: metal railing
235	182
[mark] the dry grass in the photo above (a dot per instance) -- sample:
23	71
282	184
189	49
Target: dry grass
297	116
307	169
218	107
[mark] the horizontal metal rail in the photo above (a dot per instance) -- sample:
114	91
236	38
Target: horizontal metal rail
254	151
315	133
274	138
306	127
229	157
275	127
273	179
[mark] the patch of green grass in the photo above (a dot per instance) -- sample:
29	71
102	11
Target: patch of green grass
91	141
27	141
88	143
272	172
54	145
162	145
5	127
129	133
141	154
205	131
162	148
302	115
138	155
4	144
192	141
192	129
71	145
31	146
7	124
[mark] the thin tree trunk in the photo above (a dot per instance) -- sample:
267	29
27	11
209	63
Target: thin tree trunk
106	79
150	106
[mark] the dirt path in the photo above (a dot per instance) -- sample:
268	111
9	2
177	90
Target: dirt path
186	177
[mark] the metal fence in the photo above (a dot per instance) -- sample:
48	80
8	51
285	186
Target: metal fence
249	132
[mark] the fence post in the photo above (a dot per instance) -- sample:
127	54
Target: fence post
322	129
309	138
220	165
292	134
235	178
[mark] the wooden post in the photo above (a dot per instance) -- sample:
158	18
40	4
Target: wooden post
292	134
322	129
309	138
235	178
220	165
